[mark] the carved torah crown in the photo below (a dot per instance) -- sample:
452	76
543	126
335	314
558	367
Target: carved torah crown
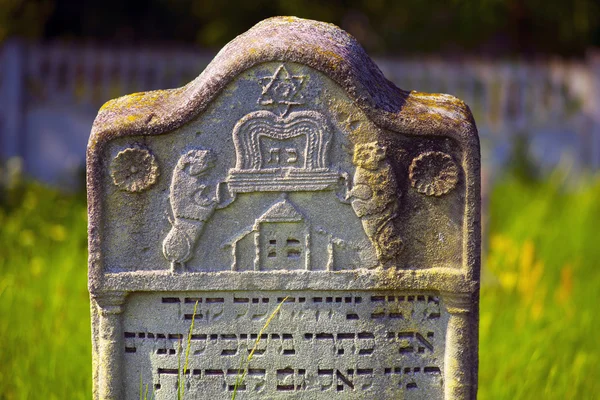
299	165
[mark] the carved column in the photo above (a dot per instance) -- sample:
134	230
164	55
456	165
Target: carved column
458	379
110	362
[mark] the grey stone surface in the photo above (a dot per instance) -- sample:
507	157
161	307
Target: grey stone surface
289	194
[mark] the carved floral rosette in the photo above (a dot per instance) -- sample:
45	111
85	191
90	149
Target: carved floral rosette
134	169
433	173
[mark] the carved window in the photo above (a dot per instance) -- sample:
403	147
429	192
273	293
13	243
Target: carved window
282	245
293	248
272	248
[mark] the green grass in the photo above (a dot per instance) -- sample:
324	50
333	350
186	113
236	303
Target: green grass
44	307
540	298
538	304
245	363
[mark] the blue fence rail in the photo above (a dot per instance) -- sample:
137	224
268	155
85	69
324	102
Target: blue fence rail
51	92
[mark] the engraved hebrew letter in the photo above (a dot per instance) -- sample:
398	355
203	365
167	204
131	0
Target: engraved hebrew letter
273	155
292	155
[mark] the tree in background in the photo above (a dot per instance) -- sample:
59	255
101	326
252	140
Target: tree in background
25	18
495	27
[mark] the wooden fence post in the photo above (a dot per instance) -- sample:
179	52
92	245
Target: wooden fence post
11	99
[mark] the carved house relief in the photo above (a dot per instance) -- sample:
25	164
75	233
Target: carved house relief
282	238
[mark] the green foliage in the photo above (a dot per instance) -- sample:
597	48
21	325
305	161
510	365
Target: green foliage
505	27
540	293
144	390
538	299
182	372
416	26
24	18
245	364
44	306
521	165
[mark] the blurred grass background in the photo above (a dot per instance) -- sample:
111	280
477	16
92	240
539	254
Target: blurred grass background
44	305
539	294
540	279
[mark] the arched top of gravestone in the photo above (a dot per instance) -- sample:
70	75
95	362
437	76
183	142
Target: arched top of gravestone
322	46
335	54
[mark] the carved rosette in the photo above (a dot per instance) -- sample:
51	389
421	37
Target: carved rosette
134	169
433	173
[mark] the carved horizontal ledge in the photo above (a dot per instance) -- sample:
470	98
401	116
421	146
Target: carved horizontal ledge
290	180
439	279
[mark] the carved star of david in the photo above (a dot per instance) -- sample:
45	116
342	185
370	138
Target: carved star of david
281	90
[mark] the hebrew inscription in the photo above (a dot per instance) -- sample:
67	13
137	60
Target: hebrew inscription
349	345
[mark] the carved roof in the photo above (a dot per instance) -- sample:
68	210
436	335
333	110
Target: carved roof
282	211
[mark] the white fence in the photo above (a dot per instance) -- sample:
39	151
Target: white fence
50	94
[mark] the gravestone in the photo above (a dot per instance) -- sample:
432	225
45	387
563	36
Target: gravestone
293	203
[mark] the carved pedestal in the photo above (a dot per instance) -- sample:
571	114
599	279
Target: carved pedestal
459	358
110	343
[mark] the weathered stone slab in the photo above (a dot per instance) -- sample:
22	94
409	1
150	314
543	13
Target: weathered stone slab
289	194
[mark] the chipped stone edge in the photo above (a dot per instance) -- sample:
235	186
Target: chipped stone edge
333	52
